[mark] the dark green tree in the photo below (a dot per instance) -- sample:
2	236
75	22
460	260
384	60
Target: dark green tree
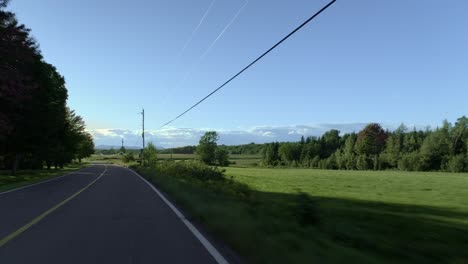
436	148
290	153
349	154
85	146
222	157
207	147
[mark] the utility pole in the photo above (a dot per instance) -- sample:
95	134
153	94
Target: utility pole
143	137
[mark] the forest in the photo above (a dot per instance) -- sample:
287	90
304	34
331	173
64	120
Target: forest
373	148
442	149
37	127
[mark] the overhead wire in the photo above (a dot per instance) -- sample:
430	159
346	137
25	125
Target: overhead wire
252	63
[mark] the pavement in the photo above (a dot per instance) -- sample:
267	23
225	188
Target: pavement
100	214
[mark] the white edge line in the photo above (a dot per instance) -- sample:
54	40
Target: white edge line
41	182
209	247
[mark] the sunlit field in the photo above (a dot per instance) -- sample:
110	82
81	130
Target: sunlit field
306	215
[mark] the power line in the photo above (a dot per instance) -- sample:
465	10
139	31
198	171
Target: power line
252	63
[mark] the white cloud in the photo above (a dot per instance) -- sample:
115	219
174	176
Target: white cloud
173	137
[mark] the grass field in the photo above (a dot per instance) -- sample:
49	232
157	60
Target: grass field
346	216
241	161
27	177
434	189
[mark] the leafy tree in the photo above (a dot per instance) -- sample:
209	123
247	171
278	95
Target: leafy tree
330	142
410	161
363	162
371	140
207	147
33	98
271	154
349	156
290	152
19	56
459	136
436	148
394	146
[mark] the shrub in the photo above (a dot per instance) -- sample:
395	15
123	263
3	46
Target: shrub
128	157
315	162
410	162
190	169
222	157
457	163
150	154
363	162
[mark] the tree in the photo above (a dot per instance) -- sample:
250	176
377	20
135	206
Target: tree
20	56
222	157
394	146
371	140
85	146
330	142
33	98
459	136
122	149
271	154
207	147
150	154
349	155
436	147
290	152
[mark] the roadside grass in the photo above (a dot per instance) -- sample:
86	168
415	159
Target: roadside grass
27	177
319	216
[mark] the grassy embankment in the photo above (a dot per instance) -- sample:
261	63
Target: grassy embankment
27	177
317	216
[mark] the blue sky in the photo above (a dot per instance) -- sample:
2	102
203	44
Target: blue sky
361	61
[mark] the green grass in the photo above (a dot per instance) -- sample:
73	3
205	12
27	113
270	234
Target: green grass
27	177
343	217
241	161
177	156
436	189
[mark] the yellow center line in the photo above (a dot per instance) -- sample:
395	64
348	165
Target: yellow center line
40	217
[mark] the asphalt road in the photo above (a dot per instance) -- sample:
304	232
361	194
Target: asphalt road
116	218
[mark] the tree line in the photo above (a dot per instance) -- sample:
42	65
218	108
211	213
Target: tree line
36	126
442	149
244	149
